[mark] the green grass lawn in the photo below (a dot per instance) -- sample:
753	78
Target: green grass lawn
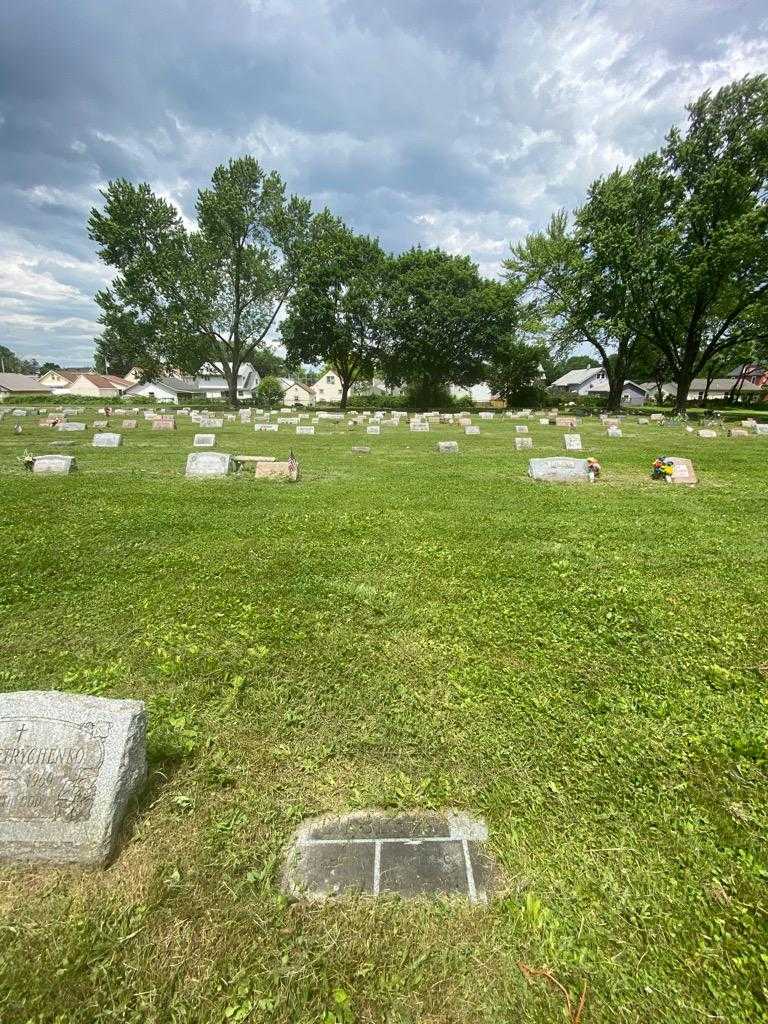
583	666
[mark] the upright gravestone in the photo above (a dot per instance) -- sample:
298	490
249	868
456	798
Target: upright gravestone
203	440
614	432
523	442
419	426
543	421
69	765
566	421
572	442
708	433
761	428
559	470
373	429
448	447
207	464
53	464
107	440
270	427
471	430
305	430
164	423
129	424
683	471
521	429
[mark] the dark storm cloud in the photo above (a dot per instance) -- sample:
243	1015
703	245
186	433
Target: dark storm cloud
463	123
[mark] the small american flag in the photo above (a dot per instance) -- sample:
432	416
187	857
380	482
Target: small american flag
293	466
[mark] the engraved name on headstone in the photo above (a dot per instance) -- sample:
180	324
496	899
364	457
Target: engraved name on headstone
107	440
204	440
205	464
53	464
523	442
558	469
572	442
69	764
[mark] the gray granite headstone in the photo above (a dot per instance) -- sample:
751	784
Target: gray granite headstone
523	442
361	449
373	429
69	765
204	440
572	442
419	426
129	424
470	430
206	464
271	427
107	440
448	447
519	429
560	470
71	426
53	464
305	430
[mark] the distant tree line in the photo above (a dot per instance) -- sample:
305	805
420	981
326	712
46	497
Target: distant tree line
662	272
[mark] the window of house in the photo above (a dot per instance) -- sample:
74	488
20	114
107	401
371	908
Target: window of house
330	379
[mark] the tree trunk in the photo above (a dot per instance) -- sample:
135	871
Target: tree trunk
615	388
345	386
683	380
705	396
230	375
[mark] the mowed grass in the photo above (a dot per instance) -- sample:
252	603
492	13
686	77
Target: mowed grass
583	666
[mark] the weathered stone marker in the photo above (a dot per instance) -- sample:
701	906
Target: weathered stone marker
361	449
164	423
373	429
370	853
305	430
707	433
448	447
129	424
683	472
69	765
523	442
572	442
470	430
519	429
205	464
203	440
71	426
277	471
271	427
614	432
53	464
419	426
559	470
107	440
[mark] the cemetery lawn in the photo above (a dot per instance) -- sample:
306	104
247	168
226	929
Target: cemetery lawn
585	667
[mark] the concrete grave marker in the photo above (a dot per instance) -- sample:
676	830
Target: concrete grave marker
657	417
204	440
71	426
99	424
164	423
543	421
373	429
521	429
305	430
572	442
485	415
448	447
278	470
208	464
642	421
749	423
419	426
523	442
129	424
470	430
53	464
566	421
761	428
374	854
69	765
614	432
271	427
361	449
738	432
707	433
559	470
107	440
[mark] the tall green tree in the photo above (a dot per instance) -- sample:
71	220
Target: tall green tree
211	294
515	371
334	316
685	232
562	275
441	321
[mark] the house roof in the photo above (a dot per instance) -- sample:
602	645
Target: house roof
749	369
70	375
105	380
722	384
173	384
288	383
22	383
575	377
603	387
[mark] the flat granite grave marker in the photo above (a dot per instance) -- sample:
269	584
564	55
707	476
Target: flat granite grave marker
69	765
566	421
271	427
361	449
305	430
53	464
572	442
470	430
761	428
523	442
375	854
71	426
559	469
683	471
128	424
99	424
203	440
373	429
448	447
707	433
278	470
419	426
738	432
163	423
521	429
106	440
207	464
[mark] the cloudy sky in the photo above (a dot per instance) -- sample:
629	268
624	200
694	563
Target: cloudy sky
460	123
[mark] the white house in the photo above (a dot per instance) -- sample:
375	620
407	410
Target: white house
479	393
594	381
168	389
295	393
212	384
327	388
94	385
57	379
